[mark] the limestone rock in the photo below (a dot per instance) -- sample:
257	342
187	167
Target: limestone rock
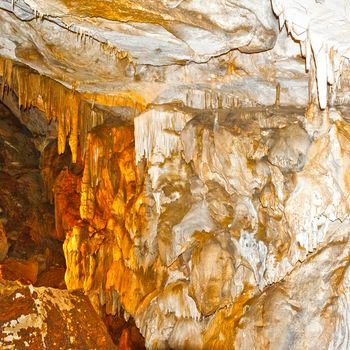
157	33
231	208
201	186
289	149
212	275
66	193
325	50
291	313
153	51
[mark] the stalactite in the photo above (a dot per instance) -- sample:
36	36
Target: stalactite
72	110
102	254
155	133
6	67
90	178
320	45
98	153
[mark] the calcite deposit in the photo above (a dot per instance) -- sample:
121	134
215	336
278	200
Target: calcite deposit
190	159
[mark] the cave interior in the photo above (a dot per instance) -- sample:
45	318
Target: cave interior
174	174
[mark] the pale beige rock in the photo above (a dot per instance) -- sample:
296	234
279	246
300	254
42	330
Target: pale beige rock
289	148
159	33
212	275
325	50
308	308
89	53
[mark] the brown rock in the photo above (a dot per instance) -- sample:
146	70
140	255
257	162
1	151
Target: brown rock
25	213
47	318
67	202
54	278
123	333
3	243
21	270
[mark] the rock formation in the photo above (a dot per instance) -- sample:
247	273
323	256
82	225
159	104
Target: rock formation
191	157
49	318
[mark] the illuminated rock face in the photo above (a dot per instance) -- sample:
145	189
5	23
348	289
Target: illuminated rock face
208	193
325	50
157	33
226	204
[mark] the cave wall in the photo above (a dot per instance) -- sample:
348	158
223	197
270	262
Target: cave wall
197	158
238	221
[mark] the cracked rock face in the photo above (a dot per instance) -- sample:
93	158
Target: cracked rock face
201	185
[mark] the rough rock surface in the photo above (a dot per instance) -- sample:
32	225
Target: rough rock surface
38	259
157	33
227	204
3	243
156	52
24	211
201	187
46	318
27	228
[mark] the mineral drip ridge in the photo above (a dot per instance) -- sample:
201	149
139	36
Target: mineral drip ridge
74	113
204	194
